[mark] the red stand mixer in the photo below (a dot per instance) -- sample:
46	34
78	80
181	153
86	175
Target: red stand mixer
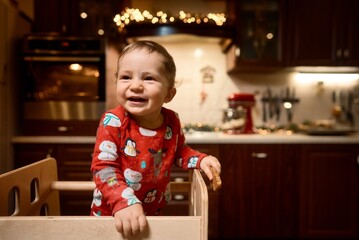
246	101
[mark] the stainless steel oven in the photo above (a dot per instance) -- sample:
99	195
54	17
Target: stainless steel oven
63	77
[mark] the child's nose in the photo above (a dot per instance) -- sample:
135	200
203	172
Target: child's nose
136	84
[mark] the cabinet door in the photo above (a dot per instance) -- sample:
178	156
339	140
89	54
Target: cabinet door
351	37
28	153
259	36
323	33
63	16
329	190
54	16
259	193
313	35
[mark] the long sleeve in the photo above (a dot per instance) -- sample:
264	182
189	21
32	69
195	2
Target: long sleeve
187	157
106	166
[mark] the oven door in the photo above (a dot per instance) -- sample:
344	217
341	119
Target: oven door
64	87
64	78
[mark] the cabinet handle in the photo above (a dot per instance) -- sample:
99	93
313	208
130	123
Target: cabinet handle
237	52
259	155
49	152
358	159
179	179
179	197
346	53
339	53
62	129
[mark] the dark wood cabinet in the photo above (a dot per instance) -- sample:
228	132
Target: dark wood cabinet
258	44
329	191
55	16
275	34
259	190
25	154
323	33
77	17
289	190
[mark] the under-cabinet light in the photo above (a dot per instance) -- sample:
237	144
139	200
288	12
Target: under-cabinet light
338	79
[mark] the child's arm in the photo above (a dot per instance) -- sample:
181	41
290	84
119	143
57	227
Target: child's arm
130	220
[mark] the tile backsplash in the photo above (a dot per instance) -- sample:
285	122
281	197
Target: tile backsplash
203	85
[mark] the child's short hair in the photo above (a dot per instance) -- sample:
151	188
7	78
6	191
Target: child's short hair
152	46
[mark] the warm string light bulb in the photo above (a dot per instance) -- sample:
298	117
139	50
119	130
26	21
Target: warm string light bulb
135	15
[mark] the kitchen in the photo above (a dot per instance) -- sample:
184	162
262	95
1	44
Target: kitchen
203	99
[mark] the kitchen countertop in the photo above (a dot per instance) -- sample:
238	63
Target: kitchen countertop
209	138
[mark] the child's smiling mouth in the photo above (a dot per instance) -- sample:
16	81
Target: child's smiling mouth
137	99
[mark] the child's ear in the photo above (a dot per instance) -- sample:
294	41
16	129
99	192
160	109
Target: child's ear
170	95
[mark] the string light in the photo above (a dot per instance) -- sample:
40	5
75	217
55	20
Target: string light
130	15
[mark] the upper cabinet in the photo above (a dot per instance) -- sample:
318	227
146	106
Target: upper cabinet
258	44
274	34
79	17
55	16
323	33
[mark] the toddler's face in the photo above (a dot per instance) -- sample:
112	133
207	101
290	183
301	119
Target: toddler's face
142	87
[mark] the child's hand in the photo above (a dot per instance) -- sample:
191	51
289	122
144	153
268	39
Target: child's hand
130	220
207	163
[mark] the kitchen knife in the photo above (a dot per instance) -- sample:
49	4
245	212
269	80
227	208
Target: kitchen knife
264	107
277	107
270	103
349	112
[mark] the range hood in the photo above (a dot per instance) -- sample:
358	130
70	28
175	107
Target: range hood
180	33
181	22
204	30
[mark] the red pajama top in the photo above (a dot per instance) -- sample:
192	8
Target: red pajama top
132	164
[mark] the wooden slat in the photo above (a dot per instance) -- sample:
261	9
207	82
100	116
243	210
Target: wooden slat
88	228
73	186
199	201
89	186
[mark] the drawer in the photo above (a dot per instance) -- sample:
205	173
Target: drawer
179	175
75	152
74	161
75	203
211	149
59	128
25	154
178	206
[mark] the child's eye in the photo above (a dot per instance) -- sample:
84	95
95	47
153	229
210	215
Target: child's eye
149	78
124	77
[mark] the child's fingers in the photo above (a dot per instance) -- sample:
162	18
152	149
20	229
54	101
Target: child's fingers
216	181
